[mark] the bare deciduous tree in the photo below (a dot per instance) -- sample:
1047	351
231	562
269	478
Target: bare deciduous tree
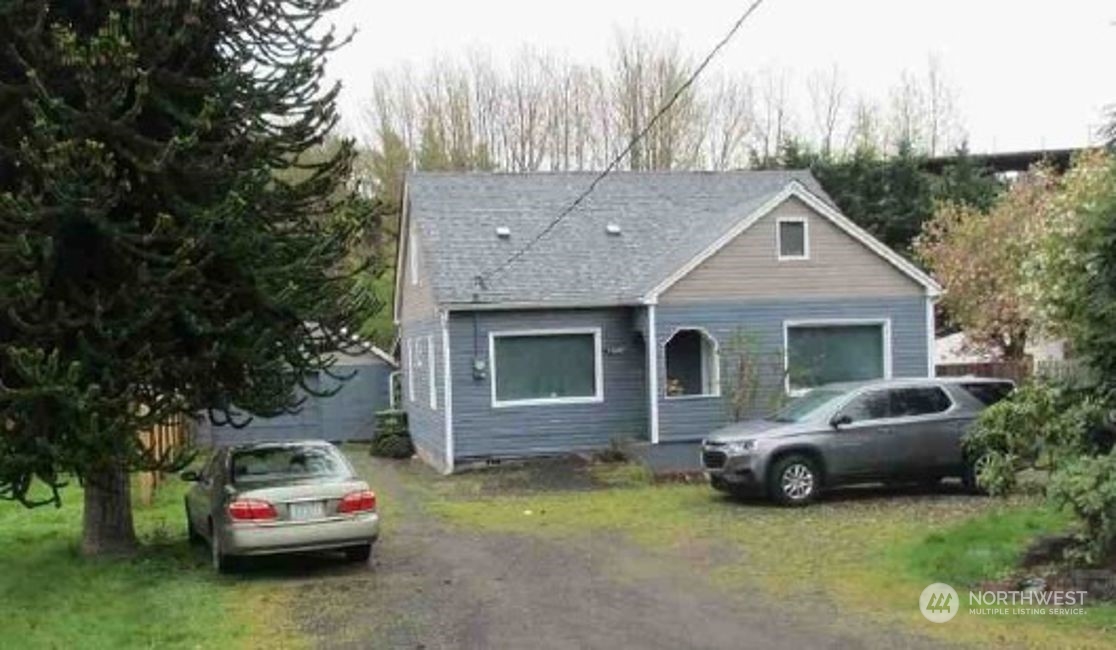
907	113
539	111
942	123
730	122
773	116
865	131
827	94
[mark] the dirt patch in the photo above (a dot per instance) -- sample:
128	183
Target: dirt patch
434	586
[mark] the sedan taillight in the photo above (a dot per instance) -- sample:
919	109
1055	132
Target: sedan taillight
252	510
363	501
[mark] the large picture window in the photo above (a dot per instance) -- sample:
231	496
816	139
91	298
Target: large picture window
826	353
546	367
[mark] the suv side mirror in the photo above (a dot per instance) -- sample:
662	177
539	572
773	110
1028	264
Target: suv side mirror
190	476
840	420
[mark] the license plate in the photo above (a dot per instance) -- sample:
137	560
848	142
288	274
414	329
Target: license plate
307	510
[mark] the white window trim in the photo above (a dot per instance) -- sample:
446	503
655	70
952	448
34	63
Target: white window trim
598	367
410	370
430	372
715	379
885	332
779	221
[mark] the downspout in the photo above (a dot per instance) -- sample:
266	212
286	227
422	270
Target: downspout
931	338
447	391
653	374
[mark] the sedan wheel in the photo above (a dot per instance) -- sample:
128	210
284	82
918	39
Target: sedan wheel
192	534
221	563
794	481
359	553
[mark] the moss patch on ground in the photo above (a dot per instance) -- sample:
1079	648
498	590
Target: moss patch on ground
868	552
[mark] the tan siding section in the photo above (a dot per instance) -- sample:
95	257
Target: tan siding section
418	299
748	266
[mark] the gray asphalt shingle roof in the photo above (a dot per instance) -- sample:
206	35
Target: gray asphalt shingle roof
666	219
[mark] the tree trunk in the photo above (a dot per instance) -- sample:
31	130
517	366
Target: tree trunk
107	524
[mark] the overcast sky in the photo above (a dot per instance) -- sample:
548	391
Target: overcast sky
1028	73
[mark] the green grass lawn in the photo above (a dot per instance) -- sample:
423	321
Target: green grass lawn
871	553
988	547
165	597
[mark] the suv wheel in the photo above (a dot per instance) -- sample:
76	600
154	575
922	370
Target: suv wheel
794	480
972	473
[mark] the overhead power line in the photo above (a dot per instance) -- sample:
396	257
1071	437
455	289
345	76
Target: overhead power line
611	167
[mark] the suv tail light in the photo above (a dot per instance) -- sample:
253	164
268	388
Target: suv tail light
363	501
252	510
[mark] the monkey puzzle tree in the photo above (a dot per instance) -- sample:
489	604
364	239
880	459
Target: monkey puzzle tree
152	261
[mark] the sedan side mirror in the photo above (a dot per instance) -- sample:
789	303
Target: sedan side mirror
190	476
840	420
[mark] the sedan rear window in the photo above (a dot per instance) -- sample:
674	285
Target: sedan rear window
286	463
989	392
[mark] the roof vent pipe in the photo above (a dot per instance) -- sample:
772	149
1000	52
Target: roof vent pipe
503	232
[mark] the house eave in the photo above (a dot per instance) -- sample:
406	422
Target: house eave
538	305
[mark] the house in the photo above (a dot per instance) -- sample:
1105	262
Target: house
522	336
348	414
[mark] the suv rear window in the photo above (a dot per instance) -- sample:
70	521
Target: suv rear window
288	463
989	392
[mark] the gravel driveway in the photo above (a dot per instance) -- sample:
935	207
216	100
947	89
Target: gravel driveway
432	586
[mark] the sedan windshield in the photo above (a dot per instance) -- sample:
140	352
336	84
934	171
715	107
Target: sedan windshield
290	463
801	408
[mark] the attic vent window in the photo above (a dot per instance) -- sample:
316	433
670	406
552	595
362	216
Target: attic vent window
613	229
503	232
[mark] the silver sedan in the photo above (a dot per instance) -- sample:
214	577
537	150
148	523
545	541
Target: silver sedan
281	497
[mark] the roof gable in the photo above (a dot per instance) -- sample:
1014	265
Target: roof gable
664	218
750	267
824	209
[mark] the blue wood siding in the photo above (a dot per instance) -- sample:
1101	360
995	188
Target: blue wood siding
349	414
427	425
482	431
762	323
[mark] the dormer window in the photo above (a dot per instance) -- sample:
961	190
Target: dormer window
792	239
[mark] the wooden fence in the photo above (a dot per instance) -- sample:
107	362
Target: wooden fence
1017	371
1068	370
175	433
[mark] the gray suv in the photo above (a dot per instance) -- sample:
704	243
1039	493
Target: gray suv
840	434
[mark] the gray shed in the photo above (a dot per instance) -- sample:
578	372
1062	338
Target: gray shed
350	414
